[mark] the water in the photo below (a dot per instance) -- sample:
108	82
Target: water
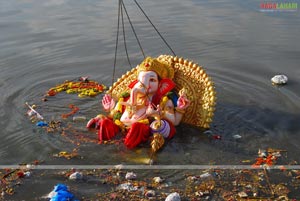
43	43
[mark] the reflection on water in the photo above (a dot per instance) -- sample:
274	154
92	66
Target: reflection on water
43	43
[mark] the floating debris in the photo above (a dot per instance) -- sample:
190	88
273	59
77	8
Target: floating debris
229	184
84	88
236	137
74	110
11	178
173	197
279	79
27	174
150	193
281	190
192	178
205	175
119	167
79	118
242	194
41	124
202	194
130	175
267	158
157	180
217	137
32	111
67	155
127	186
61	192
262	153
76	176
208	132
211	135
53	126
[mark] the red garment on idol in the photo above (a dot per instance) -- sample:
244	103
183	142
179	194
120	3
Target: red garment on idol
107	129
138	133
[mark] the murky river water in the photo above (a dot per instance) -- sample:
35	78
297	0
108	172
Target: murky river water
43	43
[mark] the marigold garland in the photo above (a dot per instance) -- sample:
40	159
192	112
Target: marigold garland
83	87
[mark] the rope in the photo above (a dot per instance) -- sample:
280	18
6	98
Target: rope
155	27
121	6
117	40
133	29
123	26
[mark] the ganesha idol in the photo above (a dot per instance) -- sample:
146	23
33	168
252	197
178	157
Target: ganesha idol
148	102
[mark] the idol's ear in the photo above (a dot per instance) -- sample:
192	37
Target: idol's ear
131	85
165	85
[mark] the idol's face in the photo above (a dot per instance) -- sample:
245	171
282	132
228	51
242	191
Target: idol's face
148	80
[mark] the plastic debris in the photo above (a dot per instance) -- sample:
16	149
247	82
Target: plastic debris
28	166
79	118
205	175
61	193
32	112
236	137
130	176
42	124
242	194
127	186
217	137
262	153
211	135
157	180
84	78
208	132
150	193
27	174
76	176
279	79
173	197
119	167
192	178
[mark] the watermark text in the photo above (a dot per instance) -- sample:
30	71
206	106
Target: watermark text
284	6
